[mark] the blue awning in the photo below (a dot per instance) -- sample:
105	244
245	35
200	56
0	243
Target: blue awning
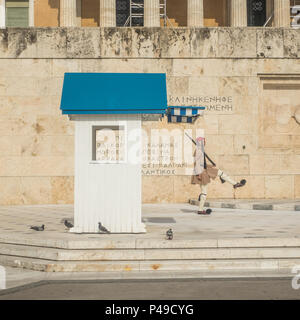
114	93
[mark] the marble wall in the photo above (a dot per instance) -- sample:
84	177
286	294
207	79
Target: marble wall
250	134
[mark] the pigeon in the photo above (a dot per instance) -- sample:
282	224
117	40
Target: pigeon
169	234
102	228
36	228
68	224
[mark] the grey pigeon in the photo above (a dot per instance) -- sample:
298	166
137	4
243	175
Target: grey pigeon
36	228
102	228
68	224
169	234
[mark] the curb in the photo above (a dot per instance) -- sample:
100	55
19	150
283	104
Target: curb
249	206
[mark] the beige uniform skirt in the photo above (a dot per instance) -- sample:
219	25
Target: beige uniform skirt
204	178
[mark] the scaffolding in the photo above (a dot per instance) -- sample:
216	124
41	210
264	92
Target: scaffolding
136	11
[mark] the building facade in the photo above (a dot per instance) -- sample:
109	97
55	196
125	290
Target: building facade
174	13
248	78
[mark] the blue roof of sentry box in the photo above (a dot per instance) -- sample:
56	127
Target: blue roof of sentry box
114	93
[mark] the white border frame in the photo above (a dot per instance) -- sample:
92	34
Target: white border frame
108	124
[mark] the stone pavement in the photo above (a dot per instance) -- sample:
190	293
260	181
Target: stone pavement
251	204
182	218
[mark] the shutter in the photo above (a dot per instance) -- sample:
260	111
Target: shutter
17	13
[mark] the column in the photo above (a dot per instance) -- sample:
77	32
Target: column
151	13
238	13
270	11
195	13
282	12
108	16
78	13
68	13
31	13
2	13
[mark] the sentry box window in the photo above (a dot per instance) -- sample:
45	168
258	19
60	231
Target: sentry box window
109	144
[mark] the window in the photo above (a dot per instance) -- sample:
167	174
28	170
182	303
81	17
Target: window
109	144
17	13
256	13
124	18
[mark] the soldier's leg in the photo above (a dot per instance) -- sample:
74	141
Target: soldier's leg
225	177
202	196
202	199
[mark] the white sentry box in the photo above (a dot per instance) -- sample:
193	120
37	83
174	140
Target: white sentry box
107	187
108	173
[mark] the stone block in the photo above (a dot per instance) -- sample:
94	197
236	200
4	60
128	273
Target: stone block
158	189
157	66
33	146
145	43
21	86
244	144
28	106
10	191
10	166
62	190
282	142
83	43
9	146
187	67
236	42
175	43
23	125
22	43
116	42
234	164
54	125
219	145
209	123
290	164
297	186
40	68
203	86
35	190
50	86
184	190
264	164
52	42
254	188
279	187
62	145
45	166
233	86
177	86
270	43
204	42
291	43
61	66
236	124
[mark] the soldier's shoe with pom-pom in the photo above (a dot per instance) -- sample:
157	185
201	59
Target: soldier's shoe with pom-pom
240	184
205	212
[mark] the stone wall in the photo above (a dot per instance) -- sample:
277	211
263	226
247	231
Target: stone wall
251	133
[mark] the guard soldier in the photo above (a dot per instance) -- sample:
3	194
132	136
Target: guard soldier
203	173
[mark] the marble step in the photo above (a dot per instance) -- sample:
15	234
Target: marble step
107	242
148	254
125	267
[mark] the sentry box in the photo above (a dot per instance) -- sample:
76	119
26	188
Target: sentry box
107	109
